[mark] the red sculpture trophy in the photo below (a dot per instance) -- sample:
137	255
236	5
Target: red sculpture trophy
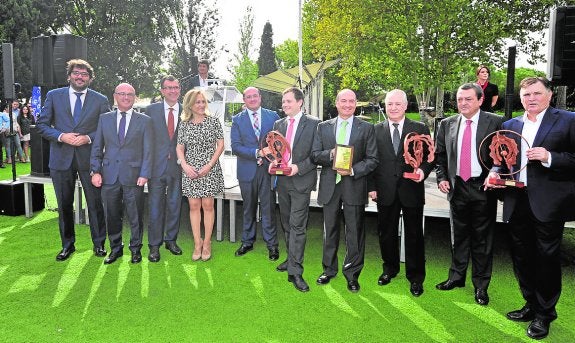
415	146
503	149
276	149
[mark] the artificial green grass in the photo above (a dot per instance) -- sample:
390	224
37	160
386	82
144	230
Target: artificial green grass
243	299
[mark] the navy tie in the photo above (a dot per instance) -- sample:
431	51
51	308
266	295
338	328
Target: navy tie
122	128
77	107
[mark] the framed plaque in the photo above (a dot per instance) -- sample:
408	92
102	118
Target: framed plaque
416	147
343	157
276	149
503	150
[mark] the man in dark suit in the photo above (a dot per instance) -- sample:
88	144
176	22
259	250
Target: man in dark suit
165	184
69	119
249	128
460	175
295	188
395	194
347	188
201	80
121	164
538	212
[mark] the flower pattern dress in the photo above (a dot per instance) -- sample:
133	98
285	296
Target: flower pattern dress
199	141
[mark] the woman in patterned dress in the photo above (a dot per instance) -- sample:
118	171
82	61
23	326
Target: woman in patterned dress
200	144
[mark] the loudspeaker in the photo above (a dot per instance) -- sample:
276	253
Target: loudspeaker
40	153
50	55
561	52
12	195
8	69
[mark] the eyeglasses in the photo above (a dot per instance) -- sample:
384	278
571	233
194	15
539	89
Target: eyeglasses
80	73
171	88
122	94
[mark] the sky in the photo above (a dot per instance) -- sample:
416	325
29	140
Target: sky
282	15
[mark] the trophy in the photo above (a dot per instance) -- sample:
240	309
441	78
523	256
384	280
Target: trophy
276	149
413	152
343	158
503	149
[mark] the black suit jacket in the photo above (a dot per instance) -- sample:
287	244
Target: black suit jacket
446	145
387	179
551	191
306	178
354	191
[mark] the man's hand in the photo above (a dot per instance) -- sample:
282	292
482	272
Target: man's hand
421	175
74	139
344	172
97	180
444	186
538	154
294	169
141	181
487	185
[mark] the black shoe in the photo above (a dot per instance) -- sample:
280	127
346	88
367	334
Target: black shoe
416	289
114	255
100	251
2	165
273	254
525	314
481	296
353	286
298	282
174	248
65	253
154	255
136	256
323	279
538	329
384	279
243	249
282	267
449	285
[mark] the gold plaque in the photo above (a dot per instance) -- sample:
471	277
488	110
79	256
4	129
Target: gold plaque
343	157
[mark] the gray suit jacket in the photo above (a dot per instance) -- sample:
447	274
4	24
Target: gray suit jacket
306	178
124	162
354	191
446	145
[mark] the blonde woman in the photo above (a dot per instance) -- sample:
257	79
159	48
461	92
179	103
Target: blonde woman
200	144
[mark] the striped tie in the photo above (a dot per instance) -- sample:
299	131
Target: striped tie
256	125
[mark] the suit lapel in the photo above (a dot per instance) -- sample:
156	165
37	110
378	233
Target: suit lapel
300	127
66	101
482	124
547	123
355	131
453	131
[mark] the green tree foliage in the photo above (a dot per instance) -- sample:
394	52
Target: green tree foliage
287	54
245	71
126	39
194	35
20	20
423	45
267	57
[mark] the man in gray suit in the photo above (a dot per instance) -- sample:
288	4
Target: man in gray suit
69	119
121	164
347	188
460	175
165	185
294	189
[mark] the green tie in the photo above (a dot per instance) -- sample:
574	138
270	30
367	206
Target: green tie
340	139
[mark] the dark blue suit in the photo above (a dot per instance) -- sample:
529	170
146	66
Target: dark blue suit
165	185
120	167
537	214
67	161
254	180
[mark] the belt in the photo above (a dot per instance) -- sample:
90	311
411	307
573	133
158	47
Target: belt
472	179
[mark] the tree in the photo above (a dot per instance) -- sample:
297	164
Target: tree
267	64
126	39
194	36
19	22
422	45
245	71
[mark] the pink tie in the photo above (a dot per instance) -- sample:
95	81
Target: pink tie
289	137
465	158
